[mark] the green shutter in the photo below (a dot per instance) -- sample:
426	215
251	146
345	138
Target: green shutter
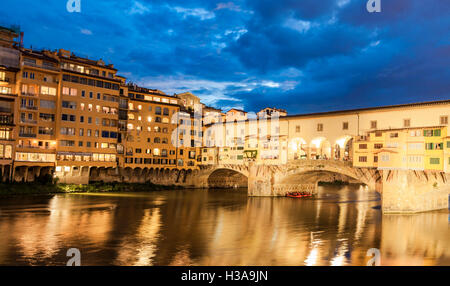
434	161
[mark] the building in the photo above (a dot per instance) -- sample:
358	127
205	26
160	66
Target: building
151	120
9	68
270	112
75	118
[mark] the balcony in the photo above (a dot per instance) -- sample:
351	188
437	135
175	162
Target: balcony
28	121
46	67
28	107
6	120
36	147
28	94
27	135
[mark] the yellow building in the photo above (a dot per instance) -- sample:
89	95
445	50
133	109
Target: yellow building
434	147
151	121
9	66
38	83
447	154
406	148
86	113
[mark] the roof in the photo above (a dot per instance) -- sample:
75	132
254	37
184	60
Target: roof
212	108
240	110
13	30
274	108
350	111
39	54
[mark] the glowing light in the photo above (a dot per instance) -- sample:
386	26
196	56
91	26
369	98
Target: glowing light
311	260
317	142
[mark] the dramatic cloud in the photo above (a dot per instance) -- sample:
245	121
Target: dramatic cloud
303	56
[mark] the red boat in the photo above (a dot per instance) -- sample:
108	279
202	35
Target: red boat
298	195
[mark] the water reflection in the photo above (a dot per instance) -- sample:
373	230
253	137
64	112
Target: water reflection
218	228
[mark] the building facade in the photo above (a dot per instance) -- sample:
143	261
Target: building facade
66	116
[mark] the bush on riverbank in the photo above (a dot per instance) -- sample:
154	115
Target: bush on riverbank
45	187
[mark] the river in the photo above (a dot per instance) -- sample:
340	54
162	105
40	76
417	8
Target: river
218	227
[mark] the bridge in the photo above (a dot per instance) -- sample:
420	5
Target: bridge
402	191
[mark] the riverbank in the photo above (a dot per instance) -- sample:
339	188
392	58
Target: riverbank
100	187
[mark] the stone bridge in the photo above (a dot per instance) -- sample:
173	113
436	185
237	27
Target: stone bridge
402	191
277	180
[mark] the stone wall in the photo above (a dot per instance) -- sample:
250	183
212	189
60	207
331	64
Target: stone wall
414	191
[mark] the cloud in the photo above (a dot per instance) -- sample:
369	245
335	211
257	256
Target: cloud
229	5
86	32
138	8
200	13
298	25
303	56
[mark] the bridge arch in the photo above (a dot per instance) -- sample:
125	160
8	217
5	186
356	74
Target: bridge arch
227	178
313	171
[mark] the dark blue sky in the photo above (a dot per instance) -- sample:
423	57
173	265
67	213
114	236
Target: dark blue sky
301	55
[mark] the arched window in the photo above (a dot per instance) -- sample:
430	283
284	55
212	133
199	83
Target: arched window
157	129
157	140
165	141
164	153
156	152
158	110
166	111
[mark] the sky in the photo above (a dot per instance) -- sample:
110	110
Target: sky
300	55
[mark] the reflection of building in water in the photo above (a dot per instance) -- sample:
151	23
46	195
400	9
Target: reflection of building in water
139	249
42	232
266	232
411	239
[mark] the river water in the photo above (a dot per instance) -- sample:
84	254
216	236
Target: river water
218	227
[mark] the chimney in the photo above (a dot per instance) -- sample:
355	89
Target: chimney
21	39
